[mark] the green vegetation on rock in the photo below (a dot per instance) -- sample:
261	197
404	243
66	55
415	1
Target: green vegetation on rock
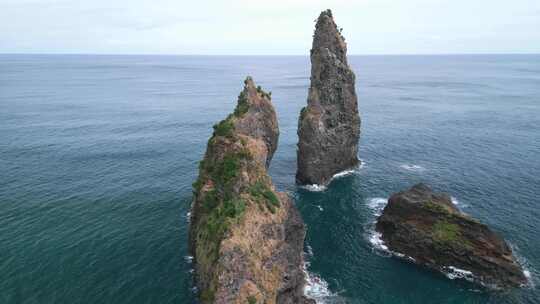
207	296
242	107
224	128
263	194
448	234
263	93
437	208
445	232
303	113
252	300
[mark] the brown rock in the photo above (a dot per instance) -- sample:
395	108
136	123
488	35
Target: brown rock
246	238
427	227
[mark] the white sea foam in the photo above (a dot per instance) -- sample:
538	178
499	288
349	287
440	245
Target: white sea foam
188	259
321	188
453	273
343	173
377	205
316	288
314	188
375	239
309	251
362	164
458	203
531	279
414	168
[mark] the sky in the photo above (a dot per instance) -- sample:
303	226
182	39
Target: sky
275	27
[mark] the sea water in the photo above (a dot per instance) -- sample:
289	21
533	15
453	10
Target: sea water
98	154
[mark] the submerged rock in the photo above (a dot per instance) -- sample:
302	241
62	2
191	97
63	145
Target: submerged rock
329	126
428	228
246	238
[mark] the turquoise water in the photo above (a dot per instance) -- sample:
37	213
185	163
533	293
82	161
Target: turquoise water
98	153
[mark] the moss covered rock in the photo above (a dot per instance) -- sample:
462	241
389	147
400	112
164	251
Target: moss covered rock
246	238
428	228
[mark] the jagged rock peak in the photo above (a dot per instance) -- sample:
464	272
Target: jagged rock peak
431	231
260	120
328	36
329	126
246	238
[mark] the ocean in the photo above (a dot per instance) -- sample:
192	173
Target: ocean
98	154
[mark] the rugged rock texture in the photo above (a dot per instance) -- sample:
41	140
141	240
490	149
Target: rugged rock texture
427	227
246	238
329	127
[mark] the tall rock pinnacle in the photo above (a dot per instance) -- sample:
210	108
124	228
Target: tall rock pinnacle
246	238
329	127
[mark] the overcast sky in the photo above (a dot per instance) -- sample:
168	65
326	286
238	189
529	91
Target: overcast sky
271	27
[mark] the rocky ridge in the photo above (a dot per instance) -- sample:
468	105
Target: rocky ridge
428	228
329	126
246	238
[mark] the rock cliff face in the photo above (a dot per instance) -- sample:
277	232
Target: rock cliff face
427	227
246	238
329	127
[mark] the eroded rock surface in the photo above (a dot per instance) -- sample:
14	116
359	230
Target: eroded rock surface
427	227
246	238
329	126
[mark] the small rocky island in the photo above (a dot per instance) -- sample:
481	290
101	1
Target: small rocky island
428	229
246	238
329	126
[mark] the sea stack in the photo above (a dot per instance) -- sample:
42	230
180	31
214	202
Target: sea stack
329	126
246	238
427	228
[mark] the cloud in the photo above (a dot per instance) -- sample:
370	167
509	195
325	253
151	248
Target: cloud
262	27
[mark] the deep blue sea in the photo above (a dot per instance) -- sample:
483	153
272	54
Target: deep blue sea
98	154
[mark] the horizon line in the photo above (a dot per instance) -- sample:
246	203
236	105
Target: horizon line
264	55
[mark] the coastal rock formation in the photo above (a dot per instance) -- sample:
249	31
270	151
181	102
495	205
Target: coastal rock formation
329	126
428	228
246	238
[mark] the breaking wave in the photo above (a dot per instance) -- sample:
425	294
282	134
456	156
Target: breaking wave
321	188
314	188
458	203
376	205
316	288
453	273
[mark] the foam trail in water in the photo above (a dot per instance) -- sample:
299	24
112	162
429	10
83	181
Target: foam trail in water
321	188
525	265
376	205
414	168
